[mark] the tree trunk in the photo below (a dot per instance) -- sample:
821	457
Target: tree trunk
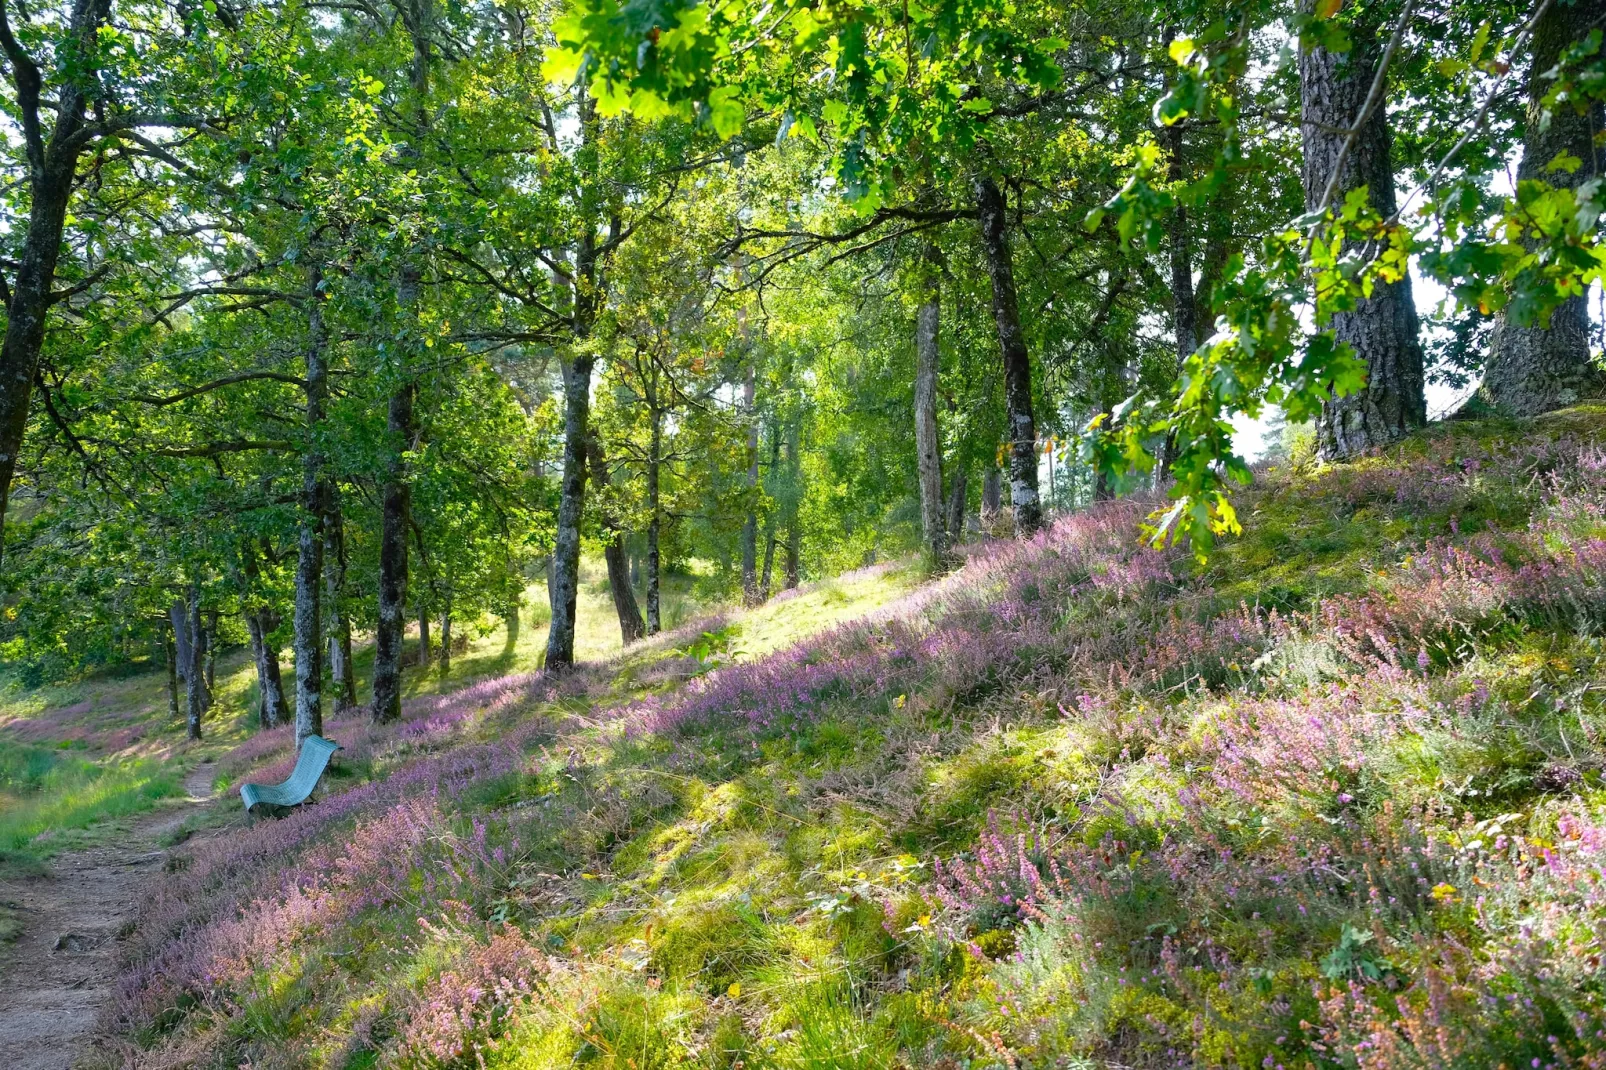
750	595
396	519
631	626
195	671
992	496
260	622
510	617
1017	362
565	588
1382	329
170	649
177	613
794	533
342	674
53	166
1184	308
446	636
1184	302
269	683
928	450
1535	369
424	652
770	519
211	655
956	507
794	555
308	618
654	525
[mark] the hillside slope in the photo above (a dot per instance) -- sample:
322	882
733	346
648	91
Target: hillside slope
1335	801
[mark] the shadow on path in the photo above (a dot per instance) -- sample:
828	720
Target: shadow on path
58	975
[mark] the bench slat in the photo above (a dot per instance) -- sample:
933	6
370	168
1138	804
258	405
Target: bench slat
310	765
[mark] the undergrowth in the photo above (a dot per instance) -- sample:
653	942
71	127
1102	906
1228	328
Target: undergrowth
1335	801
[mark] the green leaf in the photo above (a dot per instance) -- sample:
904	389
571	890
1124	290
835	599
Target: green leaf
1564	161
725	112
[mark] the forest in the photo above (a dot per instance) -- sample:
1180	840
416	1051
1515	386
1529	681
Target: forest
830	533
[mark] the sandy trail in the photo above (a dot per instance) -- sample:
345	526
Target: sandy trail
58	975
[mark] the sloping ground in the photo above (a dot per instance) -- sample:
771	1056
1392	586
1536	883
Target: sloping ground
1334	802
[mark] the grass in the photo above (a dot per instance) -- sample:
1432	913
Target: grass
46	793
78	756
1335	800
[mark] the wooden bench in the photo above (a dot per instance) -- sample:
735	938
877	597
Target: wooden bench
310	765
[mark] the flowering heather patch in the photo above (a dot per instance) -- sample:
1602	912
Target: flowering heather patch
1335	801
468	1005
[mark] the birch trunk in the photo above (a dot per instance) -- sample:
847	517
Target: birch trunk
631	626
1382	328
170	649
654	524
1017	362
194	672
565	583
260	623
308	618
750	595
342	674
446	636
177	614
956	507
396	510
564	587
794	534
211	655
928	450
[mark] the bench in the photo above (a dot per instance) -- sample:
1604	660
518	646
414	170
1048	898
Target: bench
310	764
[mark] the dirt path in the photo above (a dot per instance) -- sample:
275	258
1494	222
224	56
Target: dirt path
57	976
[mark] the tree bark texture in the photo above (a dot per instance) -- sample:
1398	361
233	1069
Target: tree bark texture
1383	328
992	496
308	618
750	592
211	655
395	520
342	673
425	648
928	450
195	673
654	525
564	586
178	615
52	168
446	637
1017	362
170	649
1534	369
794	531
565	590
956	507
631	625
260	622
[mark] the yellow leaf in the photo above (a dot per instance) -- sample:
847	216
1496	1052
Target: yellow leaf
1326	9
1180	49
734	990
